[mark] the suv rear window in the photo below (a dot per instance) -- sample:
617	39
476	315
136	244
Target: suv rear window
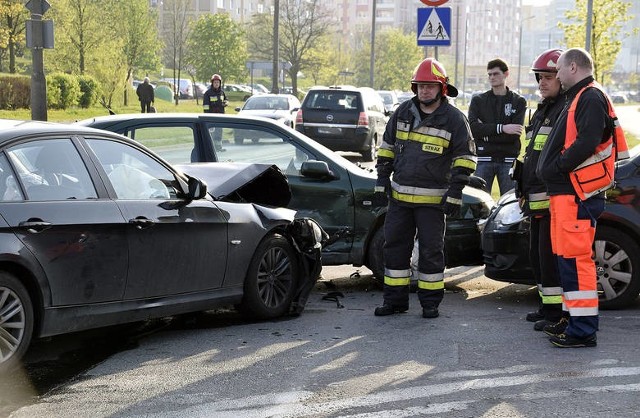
333	100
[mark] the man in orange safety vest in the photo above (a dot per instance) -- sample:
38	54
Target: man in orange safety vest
577	165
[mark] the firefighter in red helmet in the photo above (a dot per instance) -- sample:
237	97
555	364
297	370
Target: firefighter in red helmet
424	162
532	194
214	101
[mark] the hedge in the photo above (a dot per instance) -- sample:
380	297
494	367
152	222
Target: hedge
63	91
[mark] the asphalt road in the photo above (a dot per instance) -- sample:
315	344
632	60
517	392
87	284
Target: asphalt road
479	358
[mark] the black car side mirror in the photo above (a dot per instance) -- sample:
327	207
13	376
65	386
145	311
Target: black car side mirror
317	170
197	189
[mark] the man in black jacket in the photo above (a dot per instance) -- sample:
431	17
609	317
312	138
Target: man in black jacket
145	95
496	118
583	145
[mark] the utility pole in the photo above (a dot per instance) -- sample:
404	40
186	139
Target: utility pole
373	44
587	43
276	49
39	36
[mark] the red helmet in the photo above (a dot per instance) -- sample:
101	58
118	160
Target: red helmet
431	71
547	62
216	77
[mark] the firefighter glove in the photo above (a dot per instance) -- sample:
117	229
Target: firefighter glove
451	202
382	191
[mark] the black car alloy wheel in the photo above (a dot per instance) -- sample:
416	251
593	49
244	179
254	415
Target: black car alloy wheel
271	279
16	320
617	258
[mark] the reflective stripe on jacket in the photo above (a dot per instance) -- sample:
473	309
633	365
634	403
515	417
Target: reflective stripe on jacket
426	155
542	122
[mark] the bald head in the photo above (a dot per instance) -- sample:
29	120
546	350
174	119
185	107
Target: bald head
574	65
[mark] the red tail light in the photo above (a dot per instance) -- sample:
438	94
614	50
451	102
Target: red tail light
363	120
299	117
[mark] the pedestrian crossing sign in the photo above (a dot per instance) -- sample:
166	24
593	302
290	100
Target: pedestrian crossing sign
434	26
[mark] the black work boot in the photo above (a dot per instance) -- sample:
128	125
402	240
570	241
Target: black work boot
388	309
535	316
568	341
430	310
557	328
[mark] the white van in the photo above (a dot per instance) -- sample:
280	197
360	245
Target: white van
186	87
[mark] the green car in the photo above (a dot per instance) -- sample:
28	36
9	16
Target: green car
236	92
325	186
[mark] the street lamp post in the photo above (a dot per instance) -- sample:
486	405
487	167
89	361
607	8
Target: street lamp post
520	50
464	59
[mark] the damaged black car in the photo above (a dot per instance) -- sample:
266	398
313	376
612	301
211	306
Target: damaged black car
97	230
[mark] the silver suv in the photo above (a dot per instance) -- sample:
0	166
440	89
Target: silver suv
344	119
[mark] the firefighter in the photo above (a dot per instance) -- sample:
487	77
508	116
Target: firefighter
428	147
531	191
577	165
214	101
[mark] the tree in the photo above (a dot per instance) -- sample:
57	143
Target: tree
217	45
302	26
137	27
80	32
177	27
13	16
608	19
396	57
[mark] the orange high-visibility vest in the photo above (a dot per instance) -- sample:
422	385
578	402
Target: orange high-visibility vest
596	173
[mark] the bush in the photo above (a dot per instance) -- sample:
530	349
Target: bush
69	91
88	91
15	92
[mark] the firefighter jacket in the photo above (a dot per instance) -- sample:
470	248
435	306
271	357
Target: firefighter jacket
427	157
529	185
488	113
583	135
214	100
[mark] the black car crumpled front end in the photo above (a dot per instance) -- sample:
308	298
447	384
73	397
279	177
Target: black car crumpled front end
308	238
266	187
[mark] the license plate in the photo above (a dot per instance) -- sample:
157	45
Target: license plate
329	131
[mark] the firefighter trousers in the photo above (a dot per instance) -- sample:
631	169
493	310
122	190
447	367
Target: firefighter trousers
400	228
545	268
573	227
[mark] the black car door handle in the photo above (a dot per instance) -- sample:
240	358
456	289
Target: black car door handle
35	225
141	222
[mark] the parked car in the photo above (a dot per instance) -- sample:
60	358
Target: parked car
617	244
619	97
199	89
279	107
324	186
259	88
390	100
236	92
344	118
405	95
185	87
97	230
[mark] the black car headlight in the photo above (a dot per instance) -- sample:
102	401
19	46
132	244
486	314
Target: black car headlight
508	214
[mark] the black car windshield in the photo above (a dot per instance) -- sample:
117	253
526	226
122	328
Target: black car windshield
333	100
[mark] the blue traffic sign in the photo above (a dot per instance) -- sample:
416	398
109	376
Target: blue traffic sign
434	26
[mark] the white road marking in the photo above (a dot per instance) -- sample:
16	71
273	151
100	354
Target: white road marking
297	403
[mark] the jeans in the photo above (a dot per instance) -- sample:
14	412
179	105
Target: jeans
489	170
